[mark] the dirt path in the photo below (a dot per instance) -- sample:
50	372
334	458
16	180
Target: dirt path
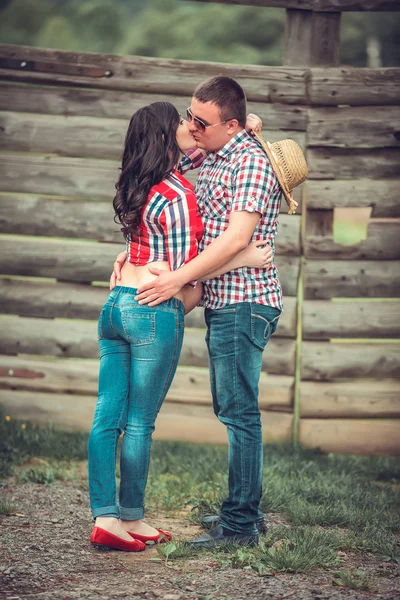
45	554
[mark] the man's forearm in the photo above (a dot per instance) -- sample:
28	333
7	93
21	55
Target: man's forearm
217	254
235	263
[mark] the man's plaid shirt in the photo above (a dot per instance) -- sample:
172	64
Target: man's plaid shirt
238	178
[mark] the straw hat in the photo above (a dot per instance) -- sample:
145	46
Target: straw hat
289	163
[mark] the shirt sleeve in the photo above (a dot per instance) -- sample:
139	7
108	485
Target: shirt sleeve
183	228
254	182
191	160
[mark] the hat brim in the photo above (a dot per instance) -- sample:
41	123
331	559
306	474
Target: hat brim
279	175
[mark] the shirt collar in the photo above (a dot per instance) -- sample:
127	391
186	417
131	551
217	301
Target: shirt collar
241	138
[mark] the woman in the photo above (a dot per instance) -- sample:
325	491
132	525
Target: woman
140	346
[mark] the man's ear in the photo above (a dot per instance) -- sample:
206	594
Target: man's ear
232	126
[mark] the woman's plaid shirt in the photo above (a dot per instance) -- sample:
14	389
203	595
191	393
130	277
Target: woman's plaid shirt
236	178
171	227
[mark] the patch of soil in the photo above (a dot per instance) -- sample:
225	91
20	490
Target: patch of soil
46	554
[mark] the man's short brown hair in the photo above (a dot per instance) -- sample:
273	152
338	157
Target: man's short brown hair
227	94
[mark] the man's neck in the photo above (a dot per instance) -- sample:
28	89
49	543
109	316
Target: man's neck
238	130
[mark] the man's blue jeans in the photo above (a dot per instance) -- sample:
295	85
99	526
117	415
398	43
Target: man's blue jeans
236	337
139	351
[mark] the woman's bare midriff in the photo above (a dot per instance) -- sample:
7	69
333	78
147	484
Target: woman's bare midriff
136	276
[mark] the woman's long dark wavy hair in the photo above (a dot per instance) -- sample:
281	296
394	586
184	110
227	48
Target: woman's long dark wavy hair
150	153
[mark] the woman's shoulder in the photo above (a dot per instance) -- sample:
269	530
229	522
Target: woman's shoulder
177	179
174	186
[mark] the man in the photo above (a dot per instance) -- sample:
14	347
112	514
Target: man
239	198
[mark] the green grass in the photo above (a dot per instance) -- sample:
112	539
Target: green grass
20	440
332	502
44	474
357	580
6	508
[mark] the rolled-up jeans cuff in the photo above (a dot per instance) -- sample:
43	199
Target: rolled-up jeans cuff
253	531
131	514
106	511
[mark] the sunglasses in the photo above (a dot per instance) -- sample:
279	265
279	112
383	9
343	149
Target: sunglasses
200	125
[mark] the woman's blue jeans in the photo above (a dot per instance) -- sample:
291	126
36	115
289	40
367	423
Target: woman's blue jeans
236	337
139	352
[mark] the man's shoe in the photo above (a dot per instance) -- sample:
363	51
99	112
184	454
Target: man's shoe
217	538
211	521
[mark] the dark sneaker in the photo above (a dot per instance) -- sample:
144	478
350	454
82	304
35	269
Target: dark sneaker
217	537
211	521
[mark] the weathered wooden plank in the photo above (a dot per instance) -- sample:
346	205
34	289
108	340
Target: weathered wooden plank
45	174
70	101
383	242
312	38
59	217
351	279
327	361
354	127
381	195
344	163
38	215
53	300
318	223
60	259
77	301
350	399
181	422
152	75
191	385
323	319
319	5
77	261
288	241
356	87
371	437
77	178
87	137
78	339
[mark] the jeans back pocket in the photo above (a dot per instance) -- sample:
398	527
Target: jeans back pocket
139	326
264	321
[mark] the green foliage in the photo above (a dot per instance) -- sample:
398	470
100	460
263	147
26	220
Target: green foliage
19	440
22	20
43	474
288	549
357	580
6	508
173	29
181	29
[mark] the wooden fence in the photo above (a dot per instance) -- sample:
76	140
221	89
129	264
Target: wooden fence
63	117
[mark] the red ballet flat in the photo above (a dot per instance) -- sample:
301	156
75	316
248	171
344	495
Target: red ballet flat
165	536
102	539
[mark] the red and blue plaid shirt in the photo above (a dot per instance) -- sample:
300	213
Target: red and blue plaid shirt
238	177
171	227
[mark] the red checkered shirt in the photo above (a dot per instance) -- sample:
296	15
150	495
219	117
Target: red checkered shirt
238	178
170	228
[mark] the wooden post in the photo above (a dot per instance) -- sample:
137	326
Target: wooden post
312	38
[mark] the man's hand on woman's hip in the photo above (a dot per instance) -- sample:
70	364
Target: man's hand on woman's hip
162	288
